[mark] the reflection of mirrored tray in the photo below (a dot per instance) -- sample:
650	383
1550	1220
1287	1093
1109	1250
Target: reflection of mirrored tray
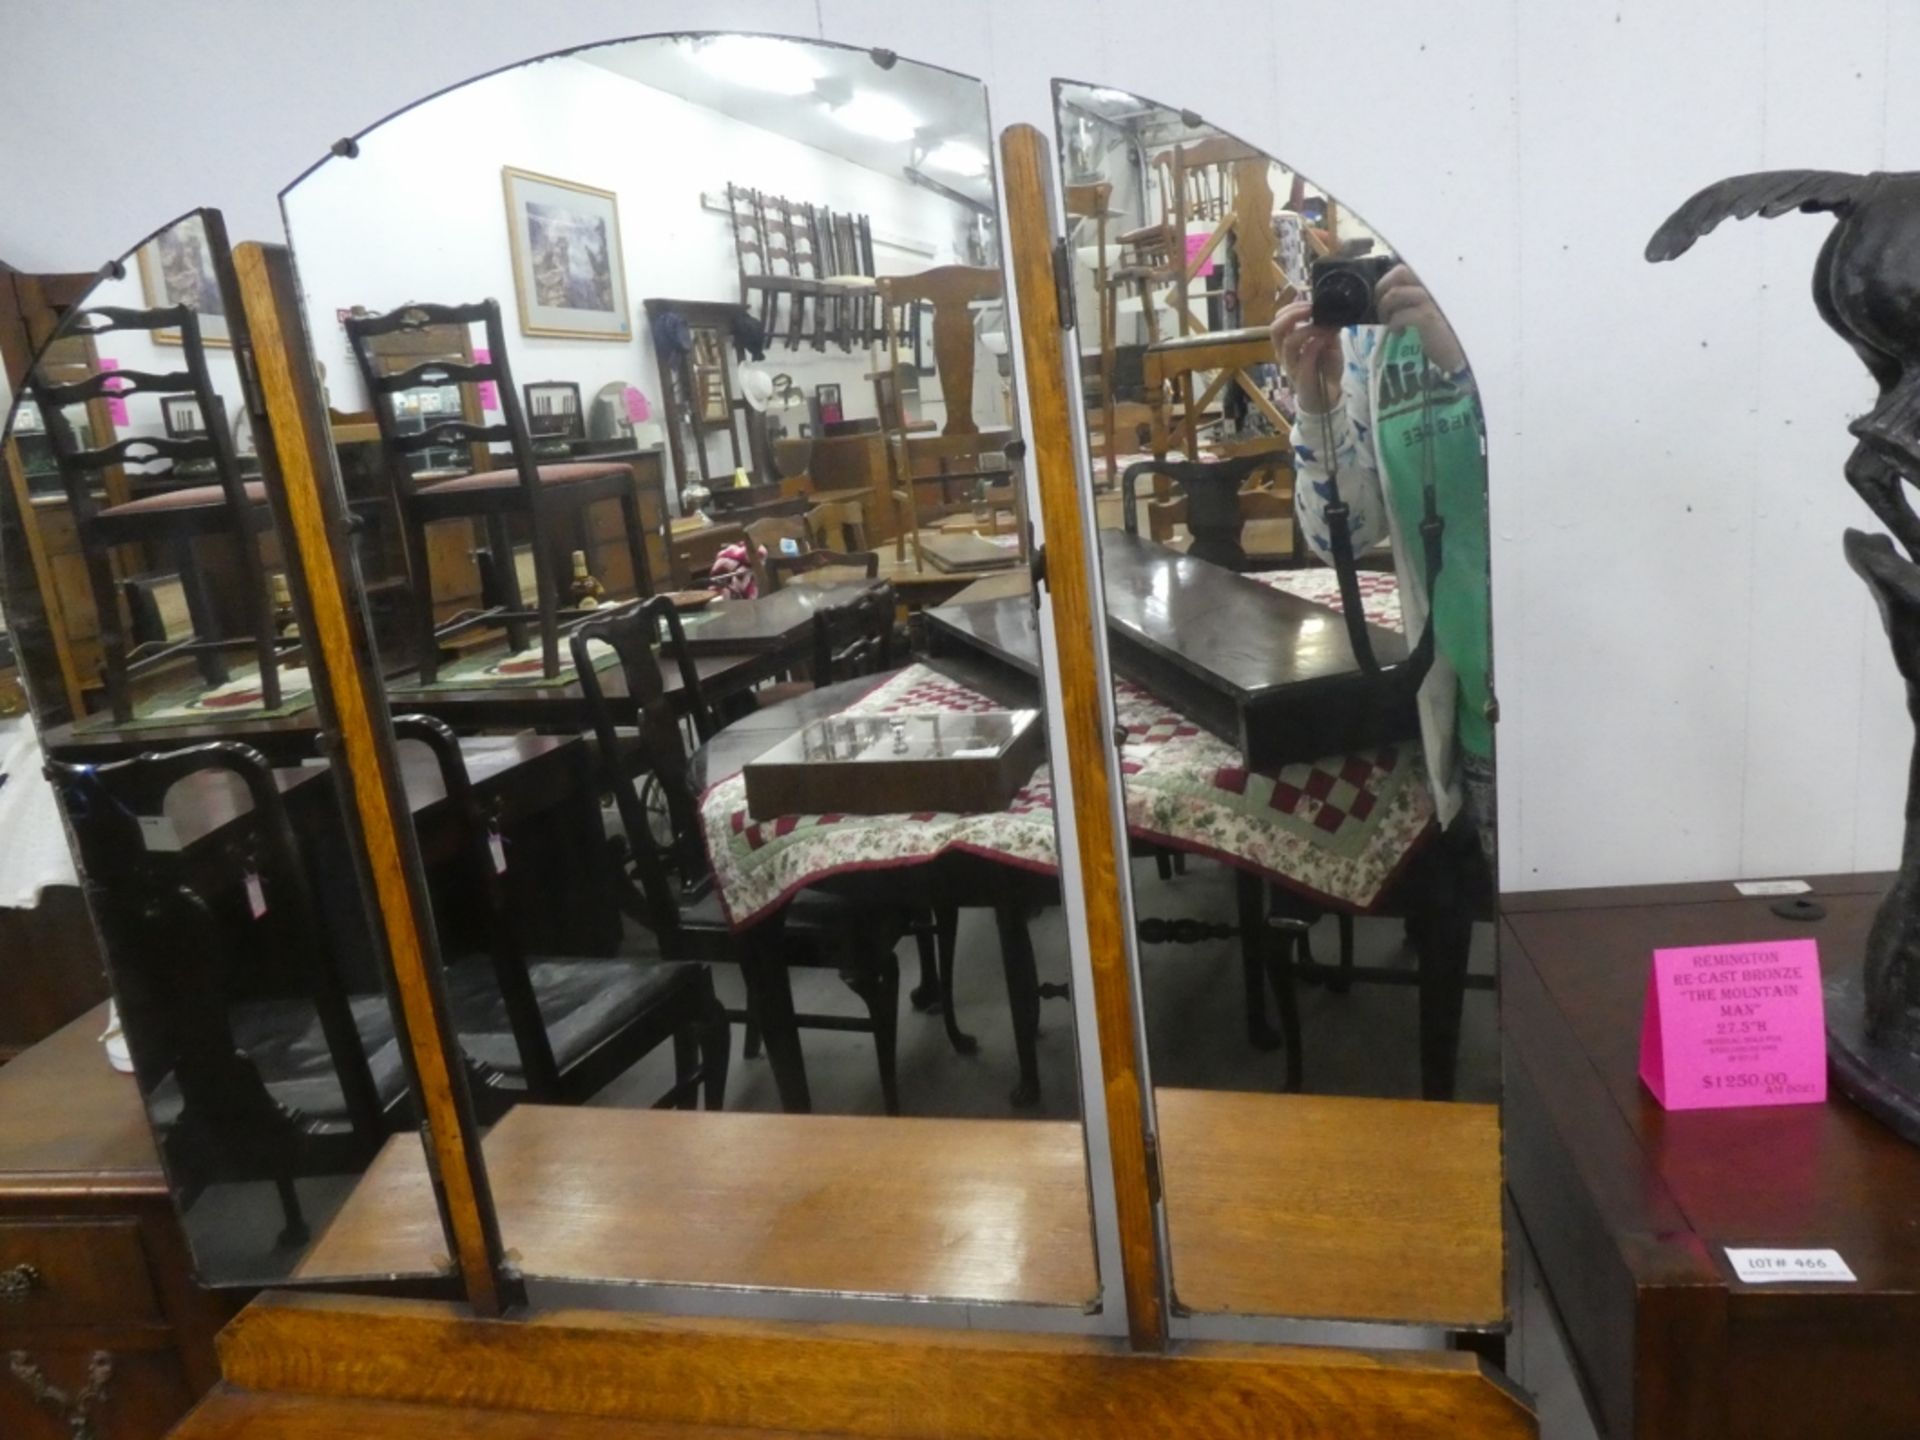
892	764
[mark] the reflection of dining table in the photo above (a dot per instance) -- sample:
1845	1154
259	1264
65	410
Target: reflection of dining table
1343	832
1003	861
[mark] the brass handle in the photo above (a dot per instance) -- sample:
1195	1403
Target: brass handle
19	1281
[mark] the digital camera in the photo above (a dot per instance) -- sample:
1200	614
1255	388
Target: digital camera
1343	289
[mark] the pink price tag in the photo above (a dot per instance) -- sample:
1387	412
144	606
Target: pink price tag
638	410
116	407
497	848
1729	1025
256	895
488	391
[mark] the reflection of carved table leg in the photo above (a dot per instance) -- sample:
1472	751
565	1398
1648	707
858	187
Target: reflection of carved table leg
1023	998
74	1411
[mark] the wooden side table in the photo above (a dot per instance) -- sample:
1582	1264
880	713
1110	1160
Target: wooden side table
100	1320
1629	1208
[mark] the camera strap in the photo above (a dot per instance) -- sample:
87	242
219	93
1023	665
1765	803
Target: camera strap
1346	566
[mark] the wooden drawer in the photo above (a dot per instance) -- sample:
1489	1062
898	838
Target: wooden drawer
135	1395
86	1273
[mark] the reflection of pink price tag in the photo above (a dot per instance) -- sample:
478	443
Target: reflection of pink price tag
256	895
1195	244
116	407
488	391
1729	1025
638	410
497	848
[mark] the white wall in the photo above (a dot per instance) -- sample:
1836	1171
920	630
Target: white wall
420	215
1692	682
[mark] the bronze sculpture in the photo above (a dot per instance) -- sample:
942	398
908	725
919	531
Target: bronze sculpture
1866	285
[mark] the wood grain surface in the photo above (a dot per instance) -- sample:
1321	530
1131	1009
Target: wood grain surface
853	1380
1084	715
1333	1207
984	1210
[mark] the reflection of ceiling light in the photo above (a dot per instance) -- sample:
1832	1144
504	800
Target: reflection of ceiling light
957	157
1116	97
878	116
760	62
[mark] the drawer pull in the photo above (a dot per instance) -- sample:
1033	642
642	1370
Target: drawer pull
76	1411
19	1281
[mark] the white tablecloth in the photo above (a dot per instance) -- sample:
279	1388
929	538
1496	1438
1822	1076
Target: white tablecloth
33	844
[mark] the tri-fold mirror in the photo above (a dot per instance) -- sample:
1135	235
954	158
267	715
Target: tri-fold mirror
654	406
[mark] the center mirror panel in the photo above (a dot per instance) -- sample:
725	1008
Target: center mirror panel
1288	463
174	735
674	403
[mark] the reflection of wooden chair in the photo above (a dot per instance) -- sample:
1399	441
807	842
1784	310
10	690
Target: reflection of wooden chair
691	552
251	1071
822	567
838	525
544	495
952	463
558	1030
1227	184
172	517
670	885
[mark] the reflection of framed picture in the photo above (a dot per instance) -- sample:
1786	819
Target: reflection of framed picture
828	399
182	416
567	265
176	268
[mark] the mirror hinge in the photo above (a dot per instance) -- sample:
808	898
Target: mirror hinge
1153	1168
1063	282
1038	567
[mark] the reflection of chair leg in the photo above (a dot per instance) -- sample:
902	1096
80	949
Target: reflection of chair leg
750	1042
1163	863
1023	998
716	1049
763	965
1282	937
1440	925
295	1231
201	614
1255	937
877	983
113	640
686	1072
947	926
1343	982
420	576
926	995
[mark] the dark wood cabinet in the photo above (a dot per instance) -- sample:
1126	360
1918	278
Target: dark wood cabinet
1629	1208
102	1330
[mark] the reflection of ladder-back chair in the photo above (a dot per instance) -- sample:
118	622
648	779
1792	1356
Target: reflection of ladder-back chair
934	476
546	495
255	1062
557	1030
175	517
1227	184
1092	202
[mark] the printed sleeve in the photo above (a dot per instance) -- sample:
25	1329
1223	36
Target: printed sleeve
1334	456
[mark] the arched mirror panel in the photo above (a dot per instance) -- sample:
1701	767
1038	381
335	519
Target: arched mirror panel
669	389
1287	458
170	766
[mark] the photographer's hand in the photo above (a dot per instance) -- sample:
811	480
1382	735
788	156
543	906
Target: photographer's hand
1310	356
1402	301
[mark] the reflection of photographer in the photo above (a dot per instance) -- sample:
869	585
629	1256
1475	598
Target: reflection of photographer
1384	403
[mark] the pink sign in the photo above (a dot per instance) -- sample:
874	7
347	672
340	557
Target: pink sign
488	391
1195	244
1729	1025
116	407
638	410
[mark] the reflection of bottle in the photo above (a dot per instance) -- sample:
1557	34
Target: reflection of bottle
586	589
283	616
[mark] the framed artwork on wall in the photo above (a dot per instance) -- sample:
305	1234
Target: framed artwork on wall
176	268
567	266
